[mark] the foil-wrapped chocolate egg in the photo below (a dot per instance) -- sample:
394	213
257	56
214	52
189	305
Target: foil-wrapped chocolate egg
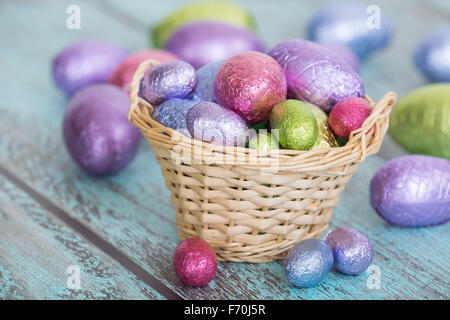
348	115
173	79
325	138
363	28
250	83
432	55
124	73
223	11
85	63
210	122
263	141
412	191
347	54
203	42
308	263
295	124
96	131
205	85
352	250
420	122
195	262
315	74
172	113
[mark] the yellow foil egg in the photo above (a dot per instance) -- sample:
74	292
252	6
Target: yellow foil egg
326	138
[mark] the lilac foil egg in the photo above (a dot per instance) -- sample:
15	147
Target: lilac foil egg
432	55
352	24
251	84
96	131
204	42
205	86
315	74
308	263
85	63
195	262
210	122
173	79
352	250
412	191
172	113
346	53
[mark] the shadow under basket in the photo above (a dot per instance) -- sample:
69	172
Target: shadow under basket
250	205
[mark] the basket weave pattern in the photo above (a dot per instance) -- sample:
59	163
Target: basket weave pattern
250	205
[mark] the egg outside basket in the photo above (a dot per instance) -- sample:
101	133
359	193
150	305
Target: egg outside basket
253	206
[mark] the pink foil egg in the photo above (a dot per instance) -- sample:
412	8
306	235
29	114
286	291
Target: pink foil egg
195	262
251	84
348	115
124	73
204	42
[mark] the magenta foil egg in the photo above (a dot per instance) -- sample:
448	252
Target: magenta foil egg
204	42
251	84
85	63
315	74
195	262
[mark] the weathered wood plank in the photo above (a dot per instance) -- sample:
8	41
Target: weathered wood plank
131	210
36	250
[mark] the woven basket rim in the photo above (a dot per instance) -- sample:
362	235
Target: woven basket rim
140	115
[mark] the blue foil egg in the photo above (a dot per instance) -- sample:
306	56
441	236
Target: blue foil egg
173	79
205	86
432	55
172	113
354	25
308	263
352	250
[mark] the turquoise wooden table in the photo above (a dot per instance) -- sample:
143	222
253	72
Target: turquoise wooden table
119	231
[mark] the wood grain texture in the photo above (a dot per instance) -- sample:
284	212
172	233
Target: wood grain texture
36	250
132	211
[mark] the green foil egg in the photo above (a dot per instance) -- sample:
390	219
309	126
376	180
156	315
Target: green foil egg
326	138
296	124
263	141
420	122
207	10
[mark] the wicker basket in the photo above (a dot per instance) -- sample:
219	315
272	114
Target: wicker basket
250	205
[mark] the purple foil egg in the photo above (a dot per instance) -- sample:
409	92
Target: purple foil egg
205	86
412	191
85	63
203	42
172	113
210	122
96	131
173	79
315	74
352	250
344	52
251	84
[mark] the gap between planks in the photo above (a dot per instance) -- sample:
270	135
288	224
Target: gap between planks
91	236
